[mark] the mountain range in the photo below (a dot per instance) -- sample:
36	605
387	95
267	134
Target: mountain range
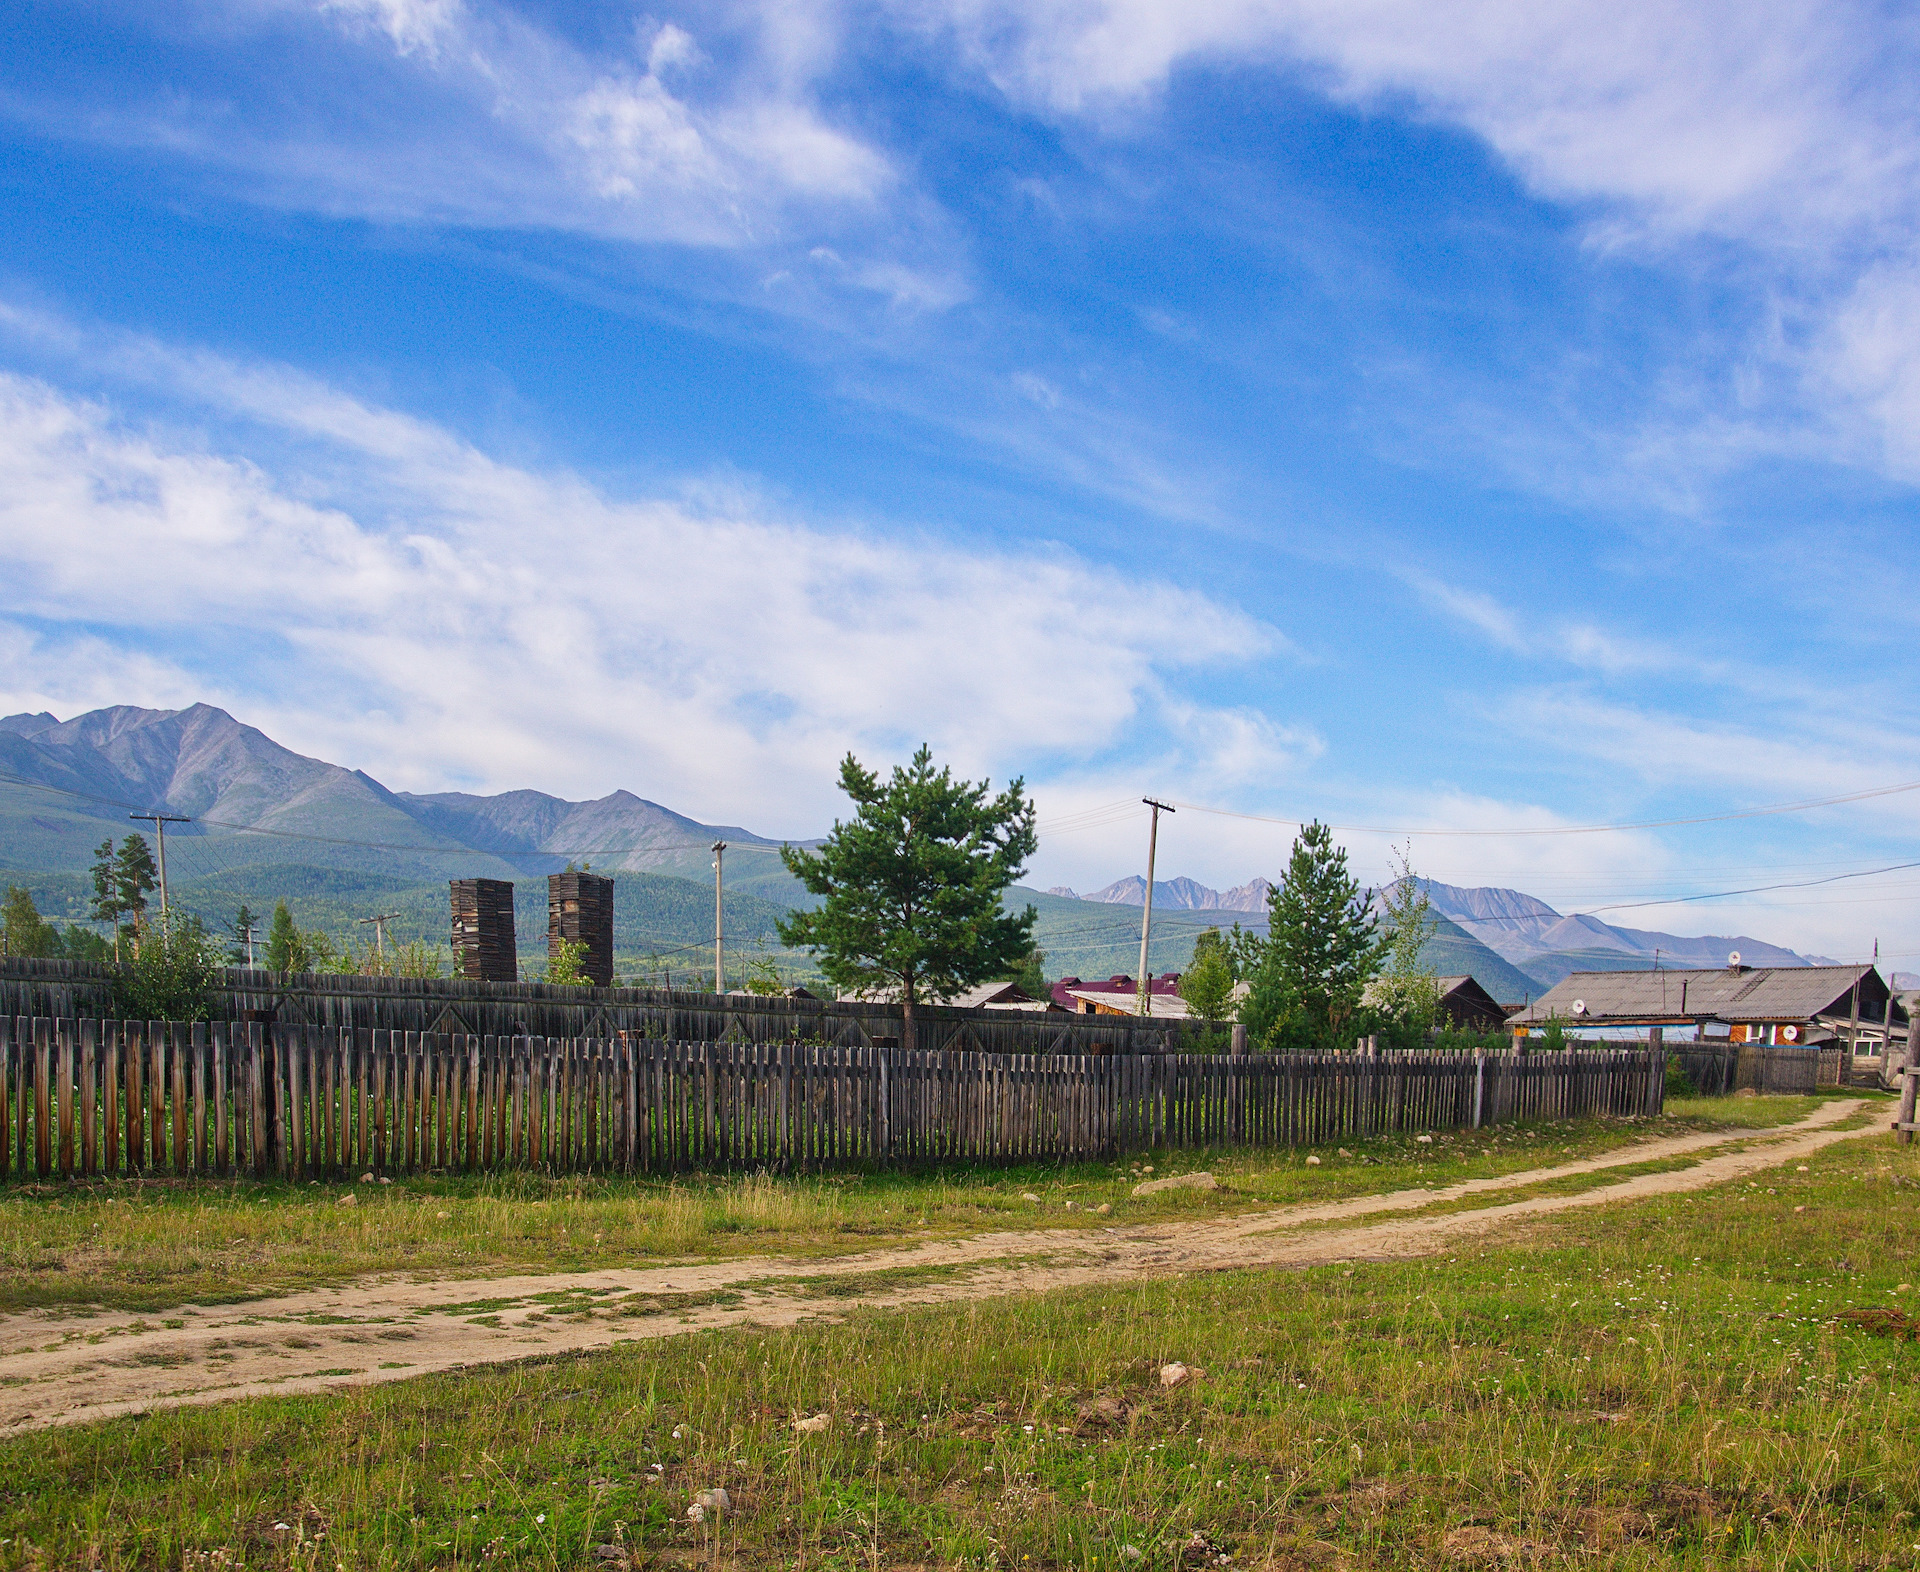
1539	944
1535	937
1184	895
253	800
269	823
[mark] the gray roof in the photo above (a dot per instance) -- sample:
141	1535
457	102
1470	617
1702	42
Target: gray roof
1750	993
1443	987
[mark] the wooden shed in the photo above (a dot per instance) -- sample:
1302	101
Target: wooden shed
1469	1006
483	942
580	911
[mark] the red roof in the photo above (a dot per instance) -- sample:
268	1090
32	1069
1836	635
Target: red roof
1165	983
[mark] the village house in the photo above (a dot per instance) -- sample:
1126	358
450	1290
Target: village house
1778	1006
1120	995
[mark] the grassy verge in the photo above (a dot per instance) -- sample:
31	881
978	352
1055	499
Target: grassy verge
153	1245
1724	1379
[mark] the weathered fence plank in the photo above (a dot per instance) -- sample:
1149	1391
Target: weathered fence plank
313	1102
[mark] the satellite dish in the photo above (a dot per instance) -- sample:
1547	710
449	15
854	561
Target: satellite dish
1579	1006
1790	1034
1733	959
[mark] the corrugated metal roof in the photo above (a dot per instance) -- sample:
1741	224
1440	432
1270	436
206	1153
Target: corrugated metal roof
1165	1006
1758	993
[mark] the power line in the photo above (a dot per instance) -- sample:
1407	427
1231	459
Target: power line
1758	889
1578	829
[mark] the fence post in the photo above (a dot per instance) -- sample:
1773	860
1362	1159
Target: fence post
1909	1094
1479	1085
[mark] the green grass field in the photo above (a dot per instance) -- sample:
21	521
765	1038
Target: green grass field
1721	1379
138	1245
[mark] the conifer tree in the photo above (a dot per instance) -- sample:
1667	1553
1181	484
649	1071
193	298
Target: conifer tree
911	885
286	948
134	876
1321	950
22	930
106	905
245	927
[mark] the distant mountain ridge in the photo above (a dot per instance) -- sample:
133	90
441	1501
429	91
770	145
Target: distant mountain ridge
1542	942
258	804
259	798
1181	894
1527	934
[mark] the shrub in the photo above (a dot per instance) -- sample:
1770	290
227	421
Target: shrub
172	975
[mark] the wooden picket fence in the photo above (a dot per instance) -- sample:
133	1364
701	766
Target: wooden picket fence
462	1006
84	1098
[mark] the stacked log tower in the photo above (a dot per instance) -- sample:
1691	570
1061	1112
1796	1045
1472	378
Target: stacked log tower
580	911
483	942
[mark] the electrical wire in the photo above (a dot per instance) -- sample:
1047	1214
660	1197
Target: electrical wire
1765	811
1758	889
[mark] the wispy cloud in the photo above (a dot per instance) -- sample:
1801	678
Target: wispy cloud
1717	116
1773	147
407	603
473	114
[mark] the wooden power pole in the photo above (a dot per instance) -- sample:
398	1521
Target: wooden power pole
380	935
1146	917
160	821
719	971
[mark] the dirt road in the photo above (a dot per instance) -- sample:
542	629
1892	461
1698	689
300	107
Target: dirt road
65	1367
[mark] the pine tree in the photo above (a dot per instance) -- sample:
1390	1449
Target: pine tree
106	905
245	925
286	949
22	930
1321	950
134	876
911	885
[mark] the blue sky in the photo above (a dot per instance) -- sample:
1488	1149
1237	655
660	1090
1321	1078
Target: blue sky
1430	417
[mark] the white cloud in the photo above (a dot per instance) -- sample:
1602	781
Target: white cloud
1870	358
473	114
1797	752
429	612
1786	127
1711	115
1475	608
411	25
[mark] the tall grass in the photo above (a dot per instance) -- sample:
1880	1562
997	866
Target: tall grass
1667	1383
148	1245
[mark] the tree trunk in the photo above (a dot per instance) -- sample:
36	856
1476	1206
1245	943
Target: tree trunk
906	1018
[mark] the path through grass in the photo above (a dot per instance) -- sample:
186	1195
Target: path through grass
1679	1382
149	1246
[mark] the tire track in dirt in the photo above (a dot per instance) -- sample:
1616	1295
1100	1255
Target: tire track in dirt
66	1367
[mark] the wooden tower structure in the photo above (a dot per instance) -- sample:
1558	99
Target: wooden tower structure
580	911
483	943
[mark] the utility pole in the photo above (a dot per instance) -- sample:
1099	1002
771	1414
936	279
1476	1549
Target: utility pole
1146	917
719	973
247	935
1853	1030
160	821
380	934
